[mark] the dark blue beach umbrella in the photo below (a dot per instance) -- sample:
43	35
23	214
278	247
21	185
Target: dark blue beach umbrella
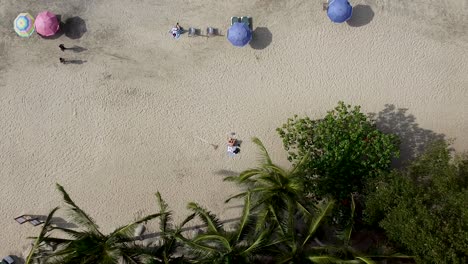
239	34
339	11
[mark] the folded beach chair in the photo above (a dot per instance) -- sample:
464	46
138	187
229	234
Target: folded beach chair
211	32
234	20
248	21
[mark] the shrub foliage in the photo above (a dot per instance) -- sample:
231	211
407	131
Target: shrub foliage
424	208
345	149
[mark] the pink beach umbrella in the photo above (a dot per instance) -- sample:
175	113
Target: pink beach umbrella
46	23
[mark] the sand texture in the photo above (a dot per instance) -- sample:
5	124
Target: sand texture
140	113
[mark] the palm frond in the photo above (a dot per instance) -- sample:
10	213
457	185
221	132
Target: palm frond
78	215
277	169
42	235
244	217
263	150
257	244
366	260
211	221
127	230
277	220
247	174
185	221
211	238
317	220
165	218
72	233
324	259
346	235
303	210
239	195
199	246
297	167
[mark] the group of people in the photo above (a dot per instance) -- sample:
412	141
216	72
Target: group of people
233	146
176	31
75	49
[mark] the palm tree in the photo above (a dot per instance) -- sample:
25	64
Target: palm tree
88	245
219	246
277	192
300	243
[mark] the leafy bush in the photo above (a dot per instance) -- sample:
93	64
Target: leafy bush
424	207
345	149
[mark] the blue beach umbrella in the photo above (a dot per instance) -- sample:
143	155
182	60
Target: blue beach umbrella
339	11
239	34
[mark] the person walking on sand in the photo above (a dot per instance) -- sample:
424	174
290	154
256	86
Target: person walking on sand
63	61
62	47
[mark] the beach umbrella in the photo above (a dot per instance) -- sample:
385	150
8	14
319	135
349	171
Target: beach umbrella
239	34
339	11
46	23
24	25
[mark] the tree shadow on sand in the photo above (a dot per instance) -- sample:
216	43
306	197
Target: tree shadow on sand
414	139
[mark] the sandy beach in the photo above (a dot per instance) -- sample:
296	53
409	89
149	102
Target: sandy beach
140	113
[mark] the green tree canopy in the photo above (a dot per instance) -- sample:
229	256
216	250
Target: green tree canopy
424	207
345	149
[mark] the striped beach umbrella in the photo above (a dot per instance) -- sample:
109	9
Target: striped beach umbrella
24	25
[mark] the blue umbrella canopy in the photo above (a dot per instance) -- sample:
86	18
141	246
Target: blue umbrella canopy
339	11
239	34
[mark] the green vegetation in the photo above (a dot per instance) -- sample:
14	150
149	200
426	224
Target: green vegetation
287	214
345	149
425	207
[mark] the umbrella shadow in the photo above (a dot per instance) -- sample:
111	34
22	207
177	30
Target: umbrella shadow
414	139
362	15
60	31
74	27
261	38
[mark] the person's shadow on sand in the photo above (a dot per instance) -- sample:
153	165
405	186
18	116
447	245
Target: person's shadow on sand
73	62
77	49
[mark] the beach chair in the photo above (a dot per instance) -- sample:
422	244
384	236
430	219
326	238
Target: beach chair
27	218
248	21
23	219
8	260
36	222
193	32
212	32
234	20
325	6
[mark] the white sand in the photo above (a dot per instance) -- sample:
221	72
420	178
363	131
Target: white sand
125	124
